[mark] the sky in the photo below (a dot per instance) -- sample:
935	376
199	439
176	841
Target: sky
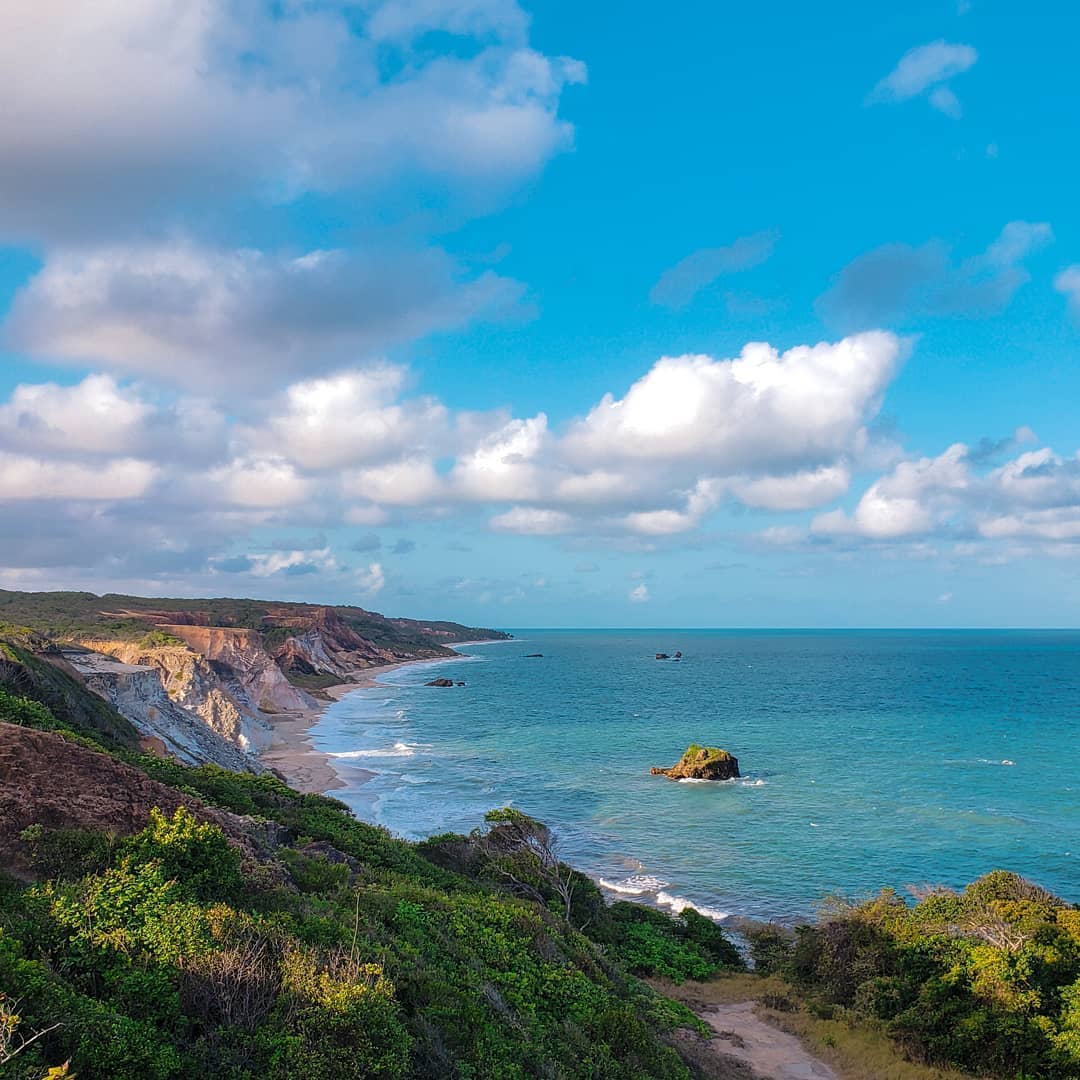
547	315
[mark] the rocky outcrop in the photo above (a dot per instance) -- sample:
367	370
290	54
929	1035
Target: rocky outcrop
702	763
138	693
442	682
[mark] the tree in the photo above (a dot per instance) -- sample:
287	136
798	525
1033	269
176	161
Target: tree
522	850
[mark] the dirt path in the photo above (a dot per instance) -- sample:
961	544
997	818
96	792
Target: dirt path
771	1053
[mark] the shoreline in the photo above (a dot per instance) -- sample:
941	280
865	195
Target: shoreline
291	750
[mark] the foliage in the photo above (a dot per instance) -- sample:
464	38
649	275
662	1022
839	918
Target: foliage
328	948
987	980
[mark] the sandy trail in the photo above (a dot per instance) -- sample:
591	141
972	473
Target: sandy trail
771	1053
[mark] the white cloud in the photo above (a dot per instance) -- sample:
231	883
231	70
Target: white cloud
945	101
257	482
349	418
503	466
122	112
372	579
33	478
215	318
639	594
532	521
1068	282
405	19
764	410
408	482
795	491
95	415
927	67
292	562
910	501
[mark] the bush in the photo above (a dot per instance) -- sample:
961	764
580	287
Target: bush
194	853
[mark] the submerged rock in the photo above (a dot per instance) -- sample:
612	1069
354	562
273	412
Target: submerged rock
534	656
702	763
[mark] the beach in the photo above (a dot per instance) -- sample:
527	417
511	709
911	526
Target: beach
291	751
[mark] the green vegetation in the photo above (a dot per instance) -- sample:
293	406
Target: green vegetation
31	668
703	755
321	946
83	616
987	980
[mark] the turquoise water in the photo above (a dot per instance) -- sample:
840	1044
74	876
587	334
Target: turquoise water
869	758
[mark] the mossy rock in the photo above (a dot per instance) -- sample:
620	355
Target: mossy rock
702	763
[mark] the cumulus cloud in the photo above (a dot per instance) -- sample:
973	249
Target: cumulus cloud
909	501
100	416
349	418
218	319
362	447
504	465
639	594
746	413
796	491
26	477
407	482
679	284
927	68
257	482
896	282
205	104
1032	497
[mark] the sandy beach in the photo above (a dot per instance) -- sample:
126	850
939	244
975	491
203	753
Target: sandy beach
291	751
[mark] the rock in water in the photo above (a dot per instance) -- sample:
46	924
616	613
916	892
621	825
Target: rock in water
662	656
440	682
702	763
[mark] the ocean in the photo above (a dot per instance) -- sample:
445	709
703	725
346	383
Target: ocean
869	758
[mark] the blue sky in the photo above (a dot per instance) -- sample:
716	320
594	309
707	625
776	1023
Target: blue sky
545	316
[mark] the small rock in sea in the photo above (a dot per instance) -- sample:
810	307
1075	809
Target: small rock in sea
662	656
534	656
702	763
440	682
461	684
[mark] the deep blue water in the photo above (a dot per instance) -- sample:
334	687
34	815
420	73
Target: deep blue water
870	758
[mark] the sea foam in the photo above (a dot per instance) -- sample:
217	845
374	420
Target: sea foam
399	749
679	904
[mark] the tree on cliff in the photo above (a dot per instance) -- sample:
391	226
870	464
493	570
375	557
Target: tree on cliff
522	851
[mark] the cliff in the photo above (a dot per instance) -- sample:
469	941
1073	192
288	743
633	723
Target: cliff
203	679
138	693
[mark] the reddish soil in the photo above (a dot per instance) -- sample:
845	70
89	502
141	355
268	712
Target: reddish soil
46	779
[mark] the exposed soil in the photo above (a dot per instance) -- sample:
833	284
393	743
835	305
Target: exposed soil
46	779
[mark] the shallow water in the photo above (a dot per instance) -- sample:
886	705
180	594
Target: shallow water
869	758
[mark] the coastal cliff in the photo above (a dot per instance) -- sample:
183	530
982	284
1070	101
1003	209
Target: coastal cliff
203	681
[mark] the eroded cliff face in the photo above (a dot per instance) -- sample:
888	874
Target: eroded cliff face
137	692
329	646
191	682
